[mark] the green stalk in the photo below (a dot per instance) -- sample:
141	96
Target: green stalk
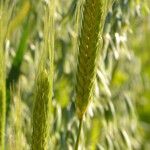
2	98
79	132
2	79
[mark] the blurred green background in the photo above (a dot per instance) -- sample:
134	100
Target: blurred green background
118	117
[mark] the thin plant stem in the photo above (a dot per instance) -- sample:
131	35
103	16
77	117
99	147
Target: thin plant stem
79	132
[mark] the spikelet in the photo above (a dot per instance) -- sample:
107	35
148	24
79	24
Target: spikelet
41	112
94	13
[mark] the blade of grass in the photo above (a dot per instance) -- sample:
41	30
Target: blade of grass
13	75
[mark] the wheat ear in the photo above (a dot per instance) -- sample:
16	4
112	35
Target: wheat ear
89	47
44	84
41	113
90	43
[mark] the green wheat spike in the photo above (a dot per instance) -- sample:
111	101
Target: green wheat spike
44	85
89	45
41	113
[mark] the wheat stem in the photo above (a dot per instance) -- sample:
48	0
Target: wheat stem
2	80
79	132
